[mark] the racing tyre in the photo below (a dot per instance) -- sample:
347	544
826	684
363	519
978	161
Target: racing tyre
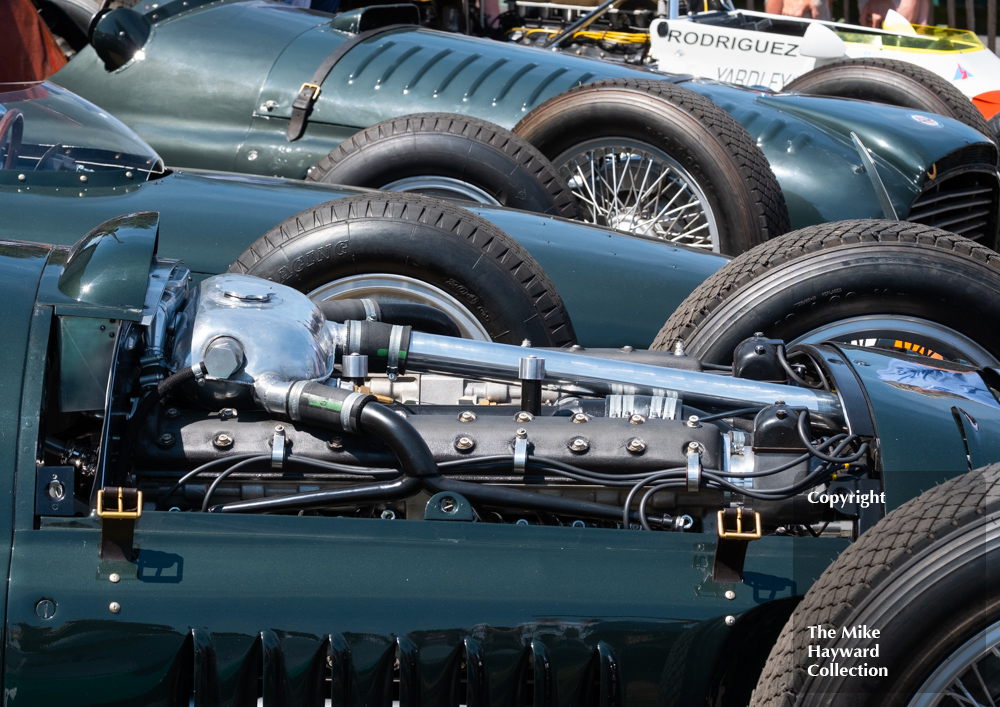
450	156
921	578
896	83
875	283
994	124
660	161
410	248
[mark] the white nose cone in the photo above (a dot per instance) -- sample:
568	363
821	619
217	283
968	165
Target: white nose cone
894	22
821	42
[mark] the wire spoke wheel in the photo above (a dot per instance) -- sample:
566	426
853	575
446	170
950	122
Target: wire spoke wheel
969	677
634	187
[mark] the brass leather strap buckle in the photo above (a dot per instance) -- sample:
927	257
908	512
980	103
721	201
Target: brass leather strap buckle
118	521
738	533
315	90
121	512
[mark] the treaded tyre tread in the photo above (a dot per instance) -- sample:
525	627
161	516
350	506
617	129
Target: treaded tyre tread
869	78
408	234
868	574
766	214
519	175
700	311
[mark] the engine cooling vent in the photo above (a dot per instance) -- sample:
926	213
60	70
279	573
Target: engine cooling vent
964	203
442	668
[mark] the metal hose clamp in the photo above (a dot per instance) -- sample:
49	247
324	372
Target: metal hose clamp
347	420
395	341
371	309
693	467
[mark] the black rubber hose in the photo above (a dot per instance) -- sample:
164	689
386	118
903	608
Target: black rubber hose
142	410
421	317
345	310
374	340
382	491
401	437
501	497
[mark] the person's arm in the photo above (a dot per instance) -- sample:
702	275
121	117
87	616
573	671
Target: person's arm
873	12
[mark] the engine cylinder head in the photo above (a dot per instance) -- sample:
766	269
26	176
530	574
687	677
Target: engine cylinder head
244	328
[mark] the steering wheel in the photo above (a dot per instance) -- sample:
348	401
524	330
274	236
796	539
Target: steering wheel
49	154
11	123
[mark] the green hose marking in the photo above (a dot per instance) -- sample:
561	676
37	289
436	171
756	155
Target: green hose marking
384	353
325	403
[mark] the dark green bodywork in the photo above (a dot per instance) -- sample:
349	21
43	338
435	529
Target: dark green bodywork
213	602
218	609
215	84
925	436
208	220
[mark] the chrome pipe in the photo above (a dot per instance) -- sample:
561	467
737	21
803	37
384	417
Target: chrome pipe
588	375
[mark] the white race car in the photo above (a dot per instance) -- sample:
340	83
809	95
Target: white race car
900	64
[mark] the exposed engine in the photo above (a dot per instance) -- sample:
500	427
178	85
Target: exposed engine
244	396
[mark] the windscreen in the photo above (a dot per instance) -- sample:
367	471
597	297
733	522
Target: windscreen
45	130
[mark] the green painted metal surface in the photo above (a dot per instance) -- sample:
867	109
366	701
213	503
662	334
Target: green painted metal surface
215	90
108	269
208	220
20	269
428	590
926	433
618	289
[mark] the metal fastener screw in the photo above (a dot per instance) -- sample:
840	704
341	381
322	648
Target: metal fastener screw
464	444
115	578
223	441
128	175
523	416
693	447
83	177
678	348
581	417
626	349
526	343
335	444
21	177
521	433
579	444
636	446
467	416
448	505
636	419
166	439
693	421
730	595
252	155
227	413
279	428
759	350
730	621
114	607
781	413
173	412
55	490
388	515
